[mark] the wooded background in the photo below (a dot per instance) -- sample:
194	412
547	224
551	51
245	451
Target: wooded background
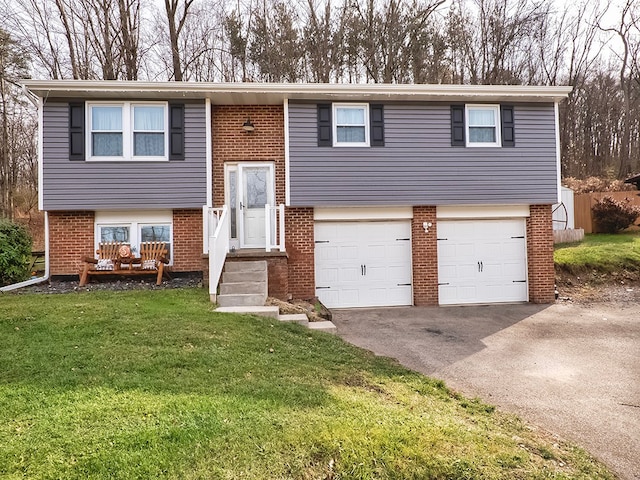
593	46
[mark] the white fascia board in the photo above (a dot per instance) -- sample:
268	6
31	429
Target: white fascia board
275	93
209	153
558	155
482	211
40	155
362	213
287	179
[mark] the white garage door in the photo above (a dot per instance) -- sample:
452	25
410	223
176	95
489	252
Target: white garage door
363	264
482	261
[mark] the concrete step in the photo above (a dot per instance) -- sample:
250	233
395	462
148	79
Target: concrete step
242	300
326	326
300	318
261	311
255	266
237	277
243	287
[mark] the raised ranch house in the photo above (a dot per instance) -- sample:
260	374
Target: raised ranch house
361	195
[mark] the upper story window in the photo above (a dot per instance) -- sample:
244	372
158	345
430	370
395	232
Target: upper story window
351	125
483	125
127	131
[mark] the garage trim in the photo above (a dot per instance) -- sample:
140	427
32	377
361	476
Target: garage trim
362	213
482	211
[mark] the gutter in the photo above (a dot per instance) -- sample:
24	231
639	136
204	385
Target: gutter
45	277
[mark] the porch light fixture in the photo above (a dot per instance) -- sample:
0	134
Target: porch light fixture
248	125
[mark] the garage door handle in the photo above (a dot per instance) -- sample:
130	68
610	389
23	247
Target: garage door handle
322	241
519	281
402	239
363	269
320	288
404	285
521	236
444	284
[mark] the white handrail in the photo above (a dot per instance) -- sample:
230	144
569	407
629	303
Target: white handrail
218	246
274	217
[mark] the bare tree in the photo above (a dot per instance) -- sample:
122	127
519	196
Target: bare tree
177	12
13	66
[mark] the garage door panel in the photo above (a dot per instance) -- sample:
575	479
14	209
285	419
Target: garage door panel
481	261
371	259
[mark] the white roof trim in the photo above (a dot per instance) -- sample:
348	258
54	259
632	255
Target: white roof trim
275	93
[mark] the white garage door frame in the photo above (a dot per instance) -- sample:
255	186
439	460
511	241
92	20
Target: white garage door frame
496	235
363	257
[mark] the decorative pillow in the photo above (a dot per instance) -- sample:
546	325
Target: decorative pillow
124	251
149	264
104	264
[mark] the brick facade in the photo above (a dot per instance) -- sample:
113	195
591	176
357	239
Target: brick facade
424	257
230	143
540	254
70	239
299	243
187	241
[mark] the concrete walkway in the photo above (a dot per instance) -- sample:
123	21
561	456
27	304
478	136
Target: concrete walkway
573	370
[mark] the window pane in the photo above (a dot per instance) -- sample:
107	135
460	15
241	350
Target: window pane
106	144
256	187
482	117
351	134
148	118
148	144
482	135
157	233
106	118
114	234
350	116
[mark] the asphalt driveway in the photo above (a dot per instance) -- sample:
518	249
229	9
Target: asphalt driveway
571	369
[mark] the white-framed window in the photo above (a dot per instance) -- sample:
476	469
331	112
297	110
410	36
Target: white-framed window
135	228
127	131
350	125
483	125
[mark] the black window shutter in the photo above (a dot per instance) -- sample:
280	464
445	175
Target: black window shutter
508	130
376	114
176	131
457	125
324	125
76	131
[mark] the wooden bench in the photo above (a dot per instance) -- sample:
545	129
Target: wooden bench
114	258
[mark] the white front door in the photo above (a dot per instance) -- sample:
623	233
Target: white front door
482	261
363	264
250	186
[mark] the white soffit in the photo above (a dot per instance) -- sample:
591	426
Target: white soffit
482	211
362	213
276	93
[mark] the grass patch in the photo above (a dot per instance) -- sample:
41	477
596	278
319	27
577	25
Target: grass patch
152	384
605	253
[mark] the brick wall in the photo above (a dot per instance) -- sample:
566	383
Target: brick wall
424	257
230	143
187	241
540	254
300	247
70	239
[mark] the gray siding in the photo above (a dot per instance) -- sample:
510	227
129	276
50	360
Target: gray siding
75	185
418	165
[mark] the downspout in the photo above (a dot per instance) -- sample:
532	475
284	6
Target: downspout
33	281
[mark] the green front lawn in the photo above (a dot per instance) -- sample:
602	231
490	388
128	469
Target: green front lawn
602	252
152	384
